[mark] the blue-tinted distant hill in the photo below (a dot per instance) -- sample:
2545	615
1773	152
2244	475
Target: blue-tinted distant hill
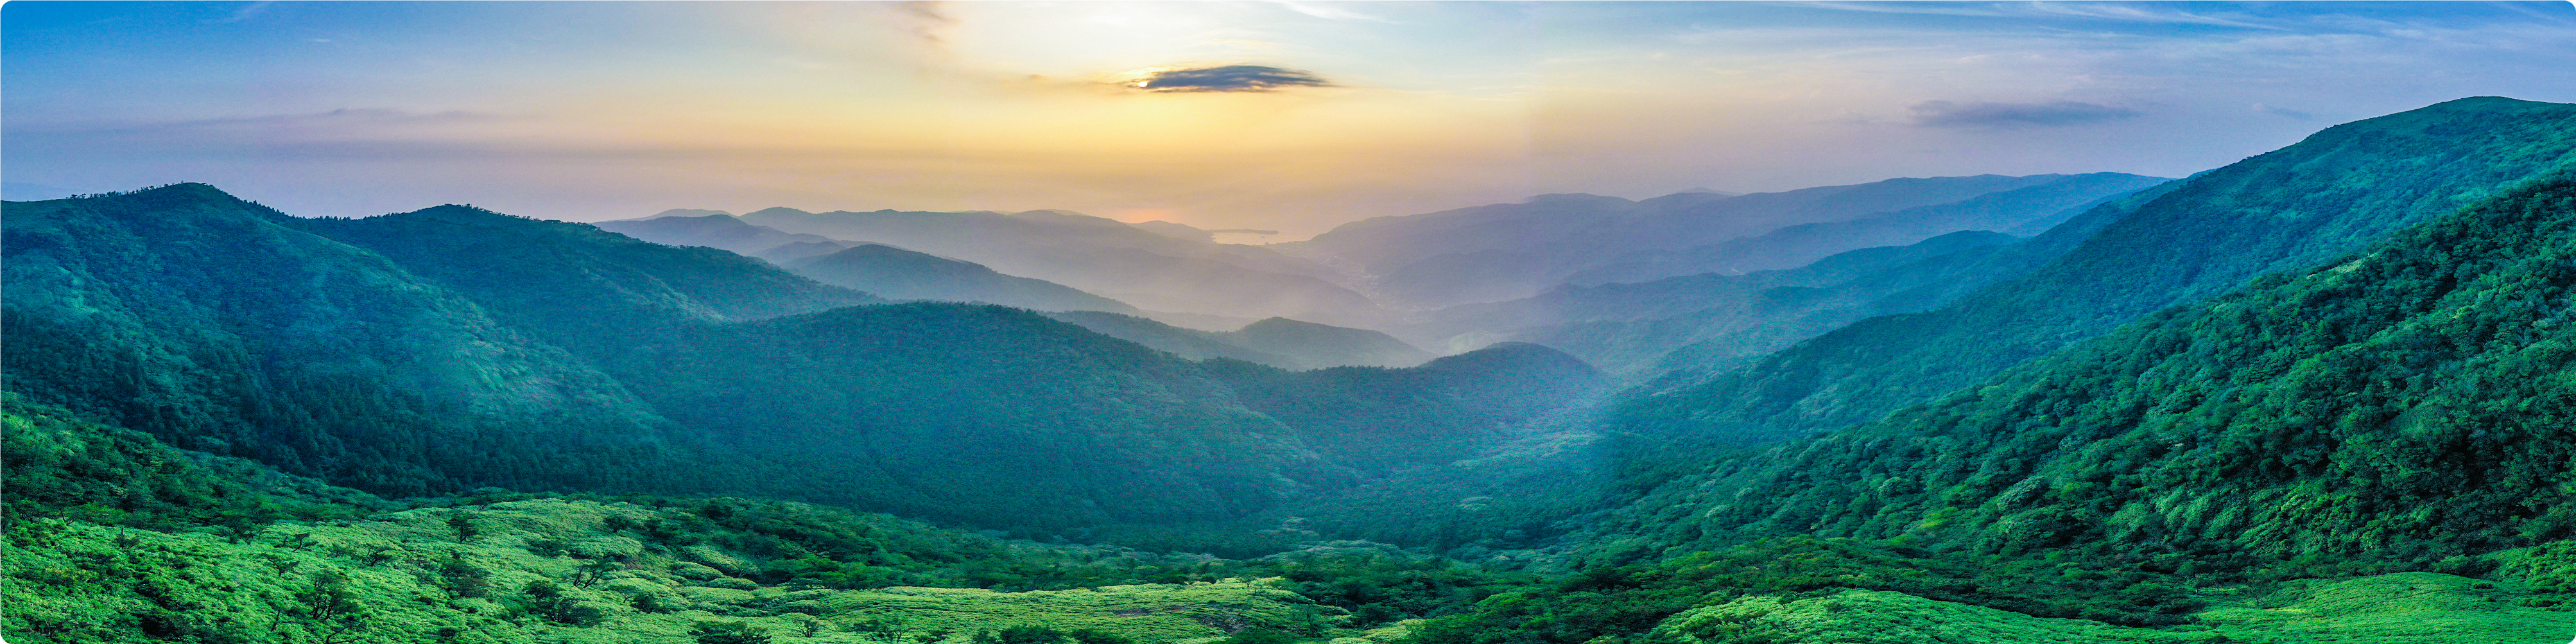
900	274
1278	342
1147	269
1510	251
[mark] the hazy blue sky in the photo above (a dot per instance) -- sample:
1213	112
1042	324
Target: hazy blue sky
1285	115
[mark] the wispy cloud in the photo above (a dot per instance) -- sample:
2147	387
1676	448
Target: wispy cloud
2014	115
247	12
1328	10
2097	11
1225	78
925	19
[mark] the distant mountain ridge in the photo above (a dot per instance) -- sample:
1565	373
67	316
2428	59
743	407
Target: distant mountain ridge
1277	342
710	228
1510	251
889	271
1143	268
900	274
2338	190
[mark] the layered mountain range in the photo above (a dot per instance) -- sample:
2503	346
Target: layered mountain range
2320	394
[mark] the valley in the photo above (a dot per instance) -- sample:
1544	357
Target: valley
2322	394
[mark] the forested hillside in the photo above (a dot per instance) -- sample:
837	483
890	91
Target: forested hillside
931	410
2337	191
2404	409
597	362
215	324
113	537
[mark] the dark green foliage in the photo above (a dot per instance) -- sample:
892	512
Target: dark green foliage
729	632
958	412
1259	635
1605	600
2336	192
62	467
211	322
1088	636
1448	409
1379	586
2306	420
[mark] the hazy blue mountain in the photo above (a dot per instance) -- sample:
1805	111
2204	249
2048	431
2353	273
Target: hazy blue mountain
1627	327
1194	344
1104	257
1177	231
2033	208
1321	345
709	228
1278	342
895	273
2339	190
1510	251
792	251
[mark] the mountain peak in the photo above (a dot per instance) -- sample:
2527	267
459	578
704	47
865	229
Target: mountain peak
690	212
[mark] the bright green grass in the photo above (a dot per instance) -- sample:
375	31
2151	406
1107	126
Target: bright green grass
71	581
2403	608
1146	613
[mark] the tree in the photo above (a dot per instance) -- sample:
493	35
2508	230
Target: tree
333	608
729	632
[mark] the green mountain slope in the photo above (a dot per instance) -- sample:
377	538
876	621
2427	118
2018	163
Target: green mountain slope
2399	408
216	324
601	294
983	414
1449	409
113	537
945	411
2329	455
900	274
2339	190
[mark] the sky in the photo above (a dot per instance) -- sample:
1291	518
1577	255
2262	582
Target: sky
1286	116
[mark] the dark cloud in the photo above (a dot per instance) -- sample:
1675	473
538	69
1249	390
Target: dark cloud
2010	115
1229	78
